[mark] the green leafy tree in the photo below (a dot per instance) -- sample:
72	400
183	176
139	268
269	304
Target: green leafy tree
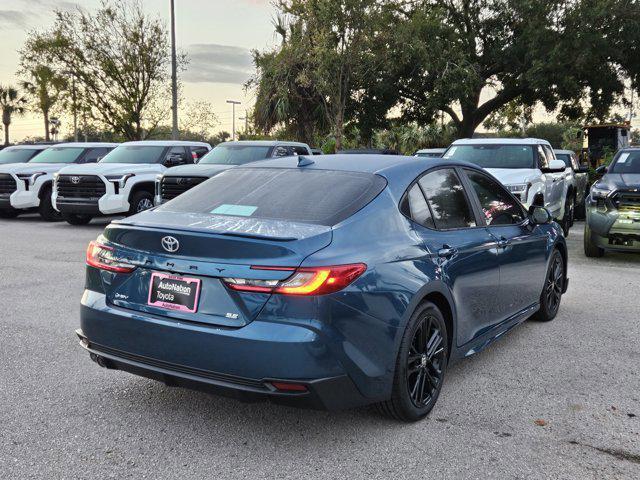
45	89
321	66
473	58
119	58
11	104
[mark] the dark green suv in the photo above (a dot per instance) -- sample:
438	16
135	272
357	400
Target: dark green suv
613	207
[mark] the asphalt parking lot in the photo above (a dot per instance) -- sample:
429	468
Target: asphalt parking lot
557	400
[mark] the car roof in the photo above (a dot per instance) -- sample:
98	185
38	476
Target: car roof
500	141
392	167
264	143
167	143
431	150
568	152
84	144
33	146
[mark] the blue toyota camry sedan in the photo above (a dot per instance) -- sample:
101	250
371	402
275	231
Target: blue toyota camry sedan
327	282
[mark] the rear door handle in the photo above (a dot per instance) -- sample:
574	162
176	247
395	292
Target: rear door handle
447	252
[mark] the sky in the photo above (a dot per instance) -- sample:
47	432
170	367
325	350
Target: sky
218	36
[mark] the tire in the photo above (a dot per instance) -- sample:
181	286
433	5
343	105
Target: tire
74	219
421	363
581	210
140	201
46	210
567	219
590	249
552	291
9	213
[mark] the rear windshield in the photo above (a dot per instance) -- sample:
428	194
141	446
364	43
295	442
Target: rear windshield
321	197
494	156
59	155
235	154
16	155
134	154
626	162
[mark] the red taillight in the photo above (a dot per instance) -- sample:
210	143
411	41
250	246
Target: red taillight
289	387
101	256
303	281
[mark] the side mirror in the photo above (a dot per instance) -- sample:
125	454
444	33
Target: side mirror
555	166
602	169
539	215
172	161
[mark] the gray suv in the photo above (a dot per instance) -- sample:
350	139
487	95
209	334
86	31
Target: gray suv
178	180
577	179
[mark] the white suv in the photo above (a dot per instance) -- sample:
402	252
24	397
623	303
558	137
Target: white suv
527	167
28	185
123	182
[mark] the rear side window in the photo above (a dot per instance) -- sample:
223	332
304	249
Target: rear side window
447	199
298	150
199	152
322	197
414	206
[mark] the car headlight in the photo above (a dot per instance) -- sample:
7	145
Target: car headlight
519	189
599	191
119	180
30	178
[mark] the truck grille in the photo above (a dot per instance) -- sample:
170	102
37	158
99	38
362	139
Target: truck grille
80	186
171	187
7	184
626	201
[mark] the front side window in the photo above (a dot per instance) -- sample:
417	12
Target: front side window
447	199
494	155
96	154
498	207
566	158
235	154
16	155
134	154
59	155
543	161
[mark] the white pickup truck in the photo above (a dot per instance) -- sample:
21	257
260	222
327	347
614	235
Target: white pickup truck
526	166
123	182
29	185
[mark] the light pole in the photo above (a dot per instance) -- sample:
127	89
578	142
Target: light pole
174	75
233	128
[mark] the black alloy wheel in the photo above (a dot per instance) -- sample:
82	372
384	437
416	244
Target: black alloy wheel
553	289
420	366
425	362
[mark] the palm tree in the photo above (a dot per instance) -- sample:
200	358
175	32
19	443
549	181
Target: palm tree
46	87
11	103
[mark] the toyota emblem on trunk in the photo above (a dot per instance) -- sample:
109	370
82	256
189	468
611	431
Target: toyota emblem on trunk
75	180
170	244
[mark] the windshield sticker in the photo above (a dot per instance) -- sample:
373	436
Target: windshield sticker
623	157
237	210
450	152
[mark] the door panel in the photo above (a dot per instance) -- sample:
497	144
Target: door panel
521	252
472	275
522	258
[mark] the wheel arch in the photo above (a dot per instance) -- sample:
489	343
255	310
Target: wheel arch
148	186
44	187
438	294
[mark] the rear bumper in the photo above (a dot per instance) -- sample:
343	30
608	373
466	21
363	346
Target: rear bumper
235	362
321	394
